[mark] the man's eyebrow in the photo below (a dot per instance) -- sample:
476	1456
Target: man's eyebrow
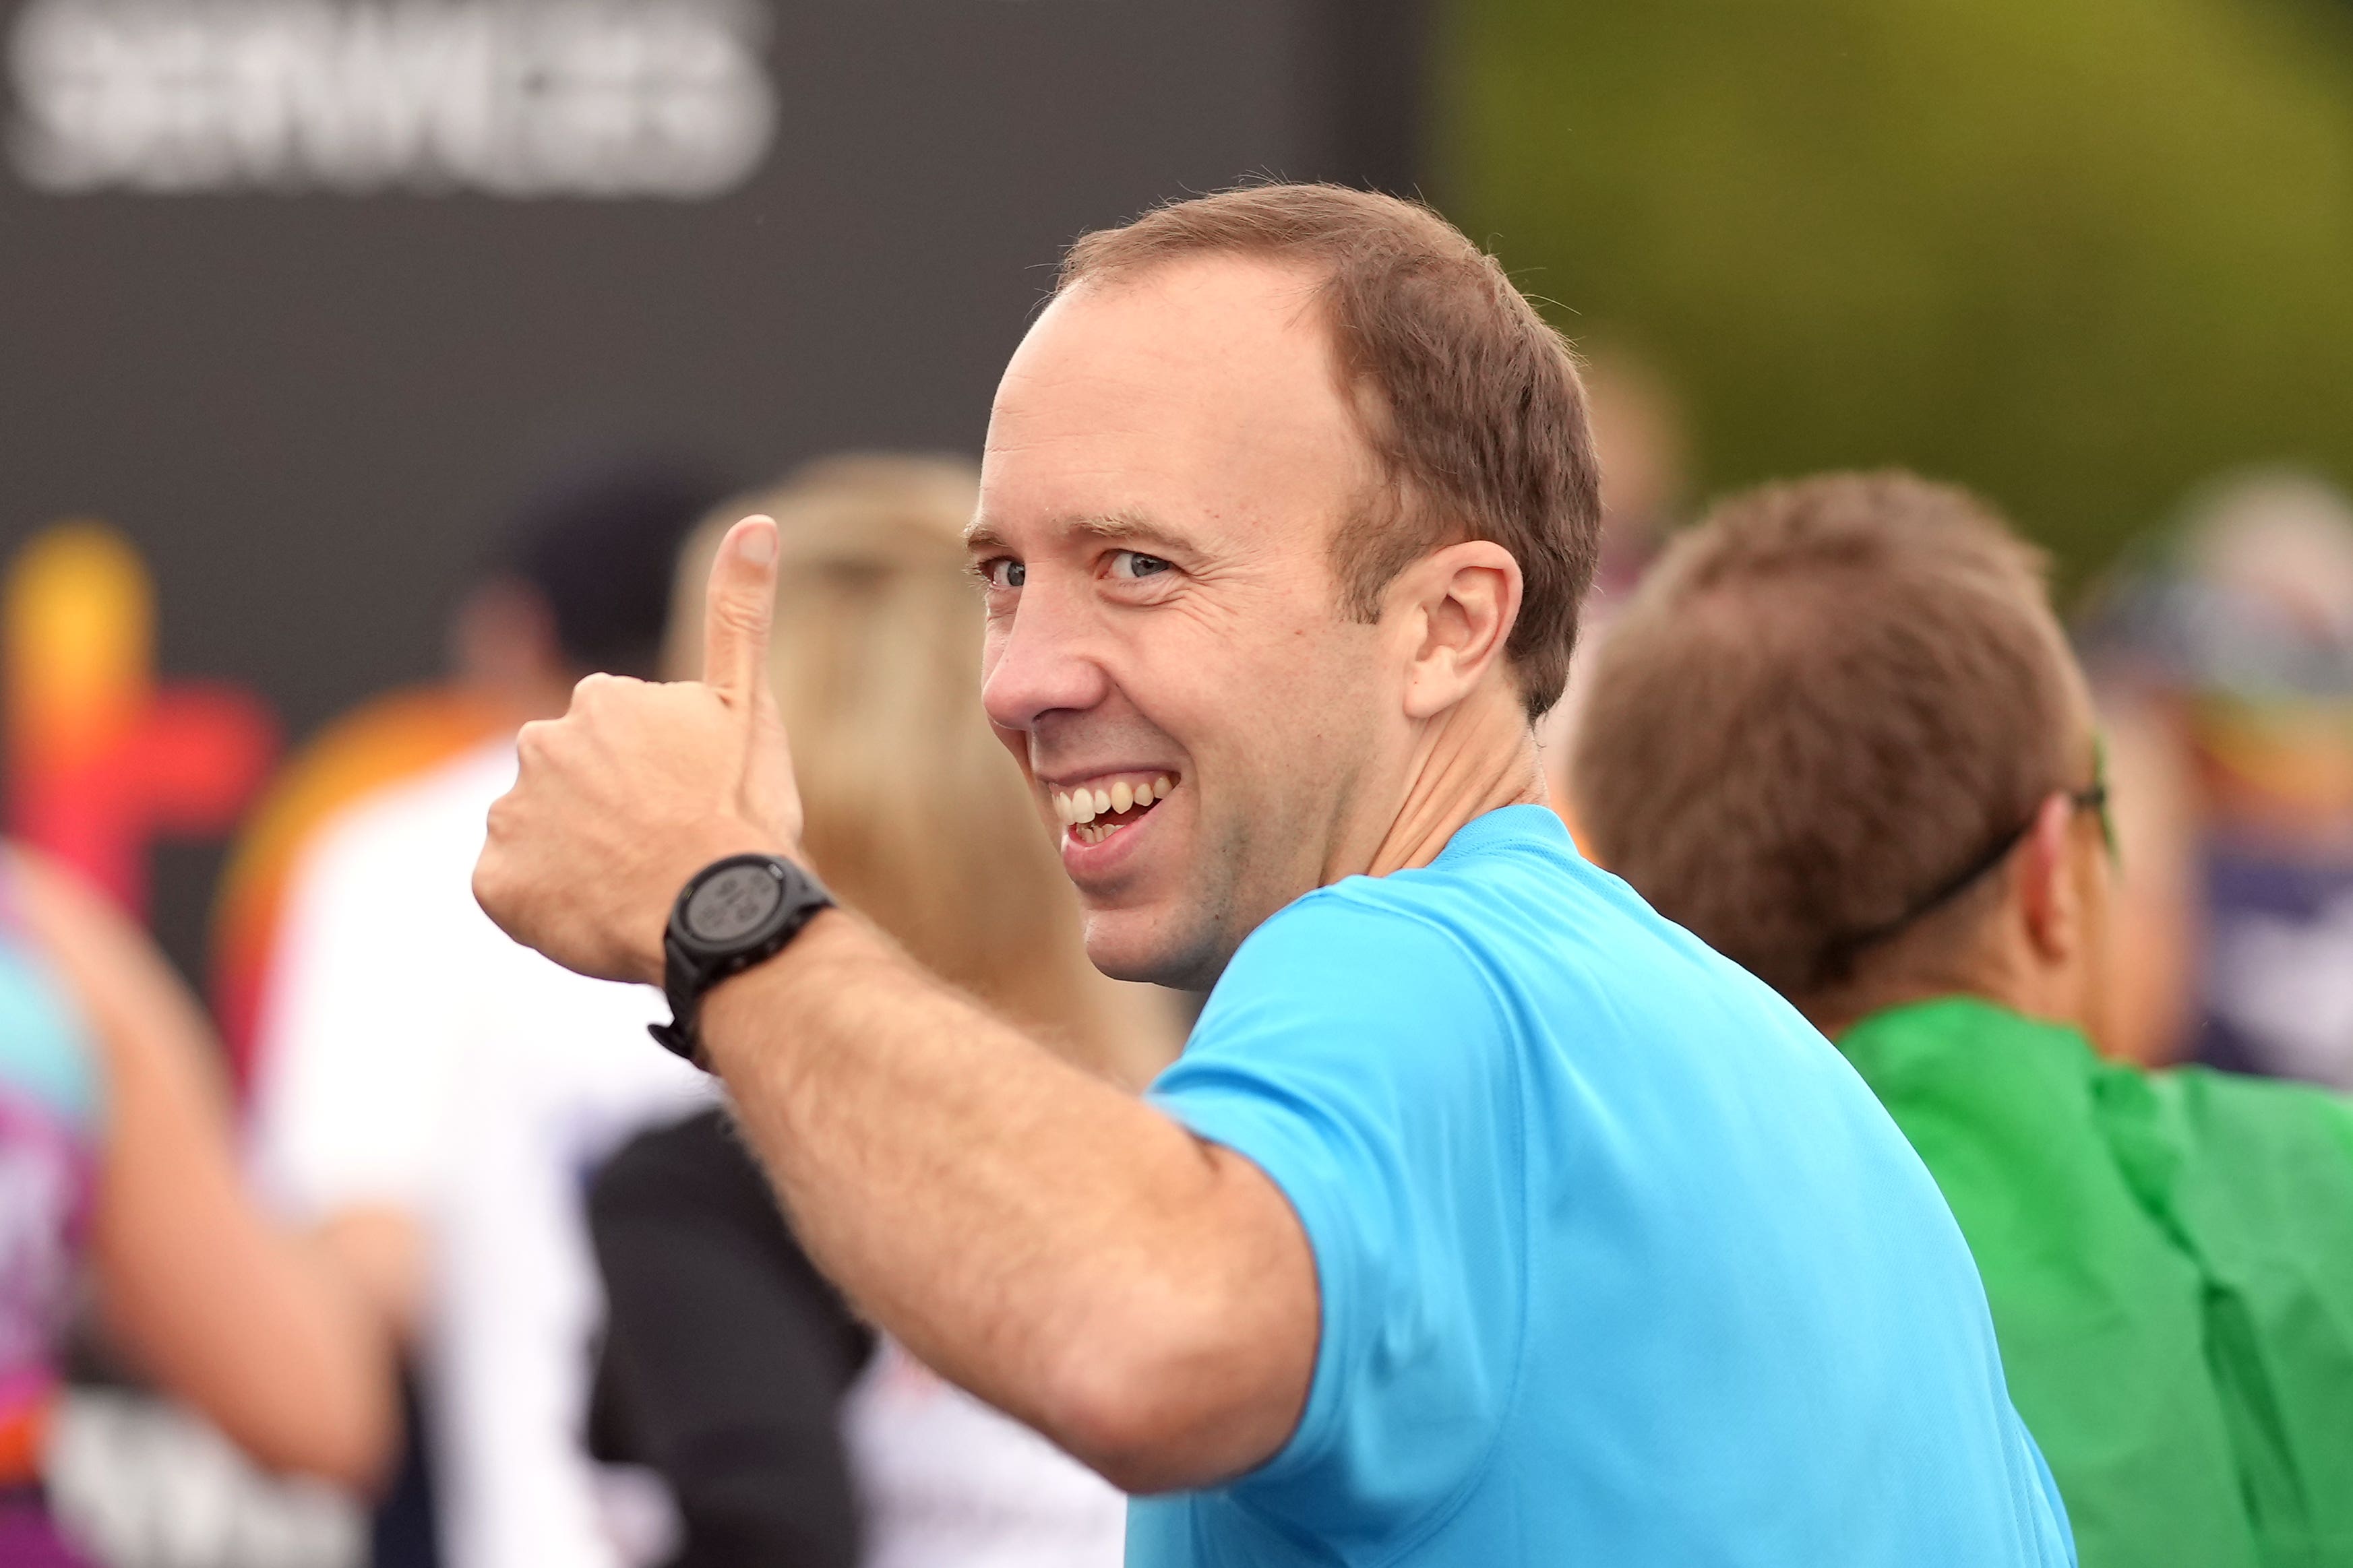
1124	528
1118	528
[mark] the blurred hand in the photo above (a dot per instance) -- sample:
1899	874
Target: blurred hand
641	785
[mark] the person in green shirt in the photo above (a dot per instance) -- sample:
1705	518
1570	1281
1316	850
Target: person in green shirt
1838	734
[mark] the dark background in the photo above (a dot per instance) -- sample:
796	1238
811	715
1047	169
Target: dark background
308	410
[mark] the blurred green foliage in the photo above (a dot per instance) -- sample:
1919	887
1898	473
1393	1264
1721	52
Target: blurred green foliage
2079	253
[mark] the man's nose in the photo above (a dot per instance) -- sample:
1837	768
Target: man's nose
1041	659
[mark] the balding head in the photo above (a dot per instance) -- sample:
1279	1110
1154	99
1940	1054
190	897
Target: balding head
1468	401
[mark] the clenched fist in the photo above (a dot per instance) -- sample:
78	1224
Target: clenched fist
642	784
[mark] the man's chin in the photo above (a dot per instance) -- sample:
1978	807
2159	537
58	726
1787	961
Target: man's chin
1147	946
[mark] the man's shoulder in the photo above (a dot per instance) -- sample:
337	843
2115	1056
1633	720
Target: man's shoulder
409	833
449	801
1498	871
1513	897
2239	1144
1509	906
1361	944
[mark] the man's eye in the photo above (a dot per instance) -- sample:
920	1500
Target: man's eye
1005	573
1134	564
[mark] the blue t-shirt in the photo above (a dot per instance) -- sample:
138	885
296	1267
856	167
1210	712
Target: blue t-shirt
1620	1263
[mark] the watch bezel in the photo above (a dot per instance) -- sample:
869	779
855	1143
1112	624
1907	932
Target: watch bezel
692	964
681	926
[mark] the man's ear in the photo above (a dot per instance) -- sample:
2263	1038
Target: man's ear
1456	607
2048	898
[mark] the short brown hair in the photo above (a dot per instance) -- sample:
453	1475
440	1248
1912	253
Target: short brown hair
1474	413
1825	704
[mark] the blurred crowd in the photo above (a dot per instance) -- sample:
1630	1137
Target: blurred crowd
468	1245
440	1228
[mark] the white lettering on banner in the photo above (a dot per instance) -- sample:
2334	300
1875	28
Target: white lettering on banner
139	1483
517	97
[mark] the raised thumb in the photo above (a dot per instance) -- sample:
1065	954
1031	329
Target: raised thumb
741	601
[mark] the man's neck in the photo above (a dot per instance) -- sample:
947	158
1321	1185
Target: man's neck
1481	756
2028	992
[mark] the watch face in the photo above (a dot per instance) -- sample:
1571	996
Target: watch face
733	904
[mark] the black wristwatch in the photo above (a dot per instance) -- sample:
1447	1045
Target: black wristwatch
732	914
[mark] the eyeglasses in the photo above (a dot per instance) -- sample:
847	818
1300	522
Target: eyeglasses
2092	797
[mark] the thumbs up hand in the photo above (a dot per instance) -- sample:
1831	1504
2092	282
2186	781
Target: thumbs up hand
642	784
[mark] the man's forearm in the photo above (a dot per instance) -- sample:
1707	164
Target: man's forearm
1036	1235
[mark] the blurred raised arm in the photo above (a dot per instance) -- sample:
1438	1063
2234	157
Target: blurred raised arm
237	1317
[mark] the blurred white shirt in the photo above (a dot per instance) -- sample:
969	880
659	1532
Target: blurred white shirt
412	1057
944	1481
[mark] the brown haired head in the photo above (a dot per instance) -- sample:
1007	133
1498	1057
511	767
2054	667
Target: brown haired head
1469	400
1826	705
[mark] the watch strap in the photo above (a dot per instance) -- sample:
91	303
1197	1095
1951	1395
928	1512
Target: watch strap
688	975
682	988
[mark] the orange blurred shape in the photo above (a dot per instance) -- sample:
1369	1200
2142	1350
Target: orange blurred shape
399	735
24	1434
103	761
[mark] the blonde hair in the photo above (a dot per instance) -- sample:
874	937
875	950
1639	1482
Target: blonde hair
915	816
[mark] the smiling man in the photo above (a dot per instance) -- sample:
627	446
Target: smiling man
1488	1218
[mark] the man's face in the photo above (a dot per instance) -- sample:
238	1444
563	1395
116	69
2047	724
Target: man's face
1167	459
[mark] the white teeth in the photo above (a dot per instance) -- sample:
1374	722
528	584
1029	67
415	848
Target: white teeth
1081	806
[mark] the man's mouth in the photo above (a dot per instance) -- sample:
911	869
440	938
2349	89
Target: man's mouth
1095	809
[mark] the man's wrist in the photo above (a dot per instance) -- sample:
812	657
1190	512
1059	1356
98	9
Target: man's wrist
736	912
757	1003
719	841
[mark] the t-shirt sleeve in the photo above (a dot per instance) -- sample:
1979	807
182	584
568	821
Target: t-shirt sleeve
1359	1056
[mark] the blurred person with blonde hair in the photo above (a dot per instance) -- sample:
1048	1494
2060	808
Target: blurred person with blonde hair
1840	736
729	1365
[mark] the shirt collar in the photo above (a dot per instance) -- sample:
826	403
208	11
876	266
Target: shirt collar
1507	828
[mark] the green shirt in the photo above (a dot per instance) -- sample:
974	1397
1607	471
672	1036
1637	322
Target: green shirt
2169	1260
